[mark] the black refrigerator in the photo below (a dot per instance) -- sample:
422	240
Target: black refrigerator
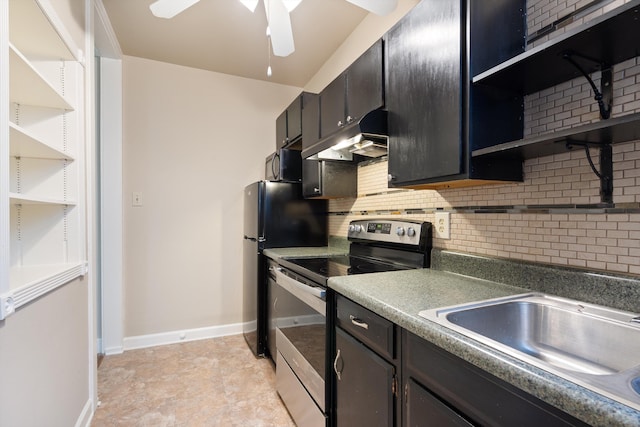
275	216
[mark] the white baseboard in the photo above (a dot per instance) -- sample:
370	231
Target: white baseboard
84	420
113	350
173	337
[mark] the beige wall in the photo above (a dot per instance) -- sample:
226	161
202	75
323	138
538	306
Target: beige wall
44	363
193	140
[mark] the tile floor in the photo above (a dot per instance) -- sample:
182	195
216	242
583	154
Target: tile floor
215	382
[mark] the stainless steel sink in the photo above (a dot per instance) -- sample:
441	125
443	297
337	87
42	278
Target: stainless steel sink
594	346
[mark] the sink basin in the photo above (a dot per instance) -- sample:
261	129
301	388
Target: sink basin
594	346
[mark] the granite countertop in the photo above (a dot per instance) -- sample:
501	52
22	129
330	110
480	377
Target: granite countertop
400	296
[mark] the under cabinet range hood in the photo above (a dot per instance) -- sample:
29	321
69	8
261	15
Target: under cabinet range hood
366	137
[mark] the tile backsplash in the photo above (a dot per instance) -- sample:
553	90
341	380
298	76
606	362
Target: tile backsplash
550	217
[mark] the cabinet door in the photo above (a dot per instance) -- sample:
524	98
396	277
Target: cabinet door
281	130
326	179
364	394
332	106
365	83
424	93
311	184
423	409
310	120
294	119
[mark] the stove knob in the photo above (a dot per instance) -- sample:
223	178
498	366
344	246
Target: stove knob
352	228
359	228
411	232
400	231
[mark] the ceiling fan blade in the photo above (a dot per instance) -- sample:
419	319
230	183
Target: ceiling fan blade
280	26
291	4
379	7
170	8
250	4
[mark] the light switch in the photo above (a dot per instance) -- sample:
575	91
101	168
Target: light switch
136	199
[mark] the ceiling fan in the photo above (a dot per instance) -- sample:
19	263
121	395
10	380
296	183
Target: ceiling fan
278	19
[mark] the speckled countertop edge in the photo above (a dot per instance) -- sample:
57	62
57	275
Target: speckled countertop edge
302	252
400	296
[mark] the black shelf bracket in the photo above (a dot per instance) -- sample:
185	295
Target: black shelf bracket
604	96
605	174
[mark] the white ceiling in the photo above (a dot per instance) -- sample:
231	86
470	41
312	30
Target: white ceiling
224	36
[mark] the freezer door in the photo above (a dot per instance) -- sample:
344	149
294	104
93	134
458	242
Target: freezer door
291	220
252	205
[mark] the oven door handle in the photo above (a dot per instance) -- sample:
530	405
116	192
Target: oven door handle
312	296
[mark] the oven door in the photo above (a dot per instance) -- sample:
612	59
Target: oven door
299	314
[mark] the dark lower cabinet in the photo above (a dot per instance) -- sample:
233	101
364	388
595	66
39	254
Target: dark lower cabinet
387	376
473	396
364	385
423	409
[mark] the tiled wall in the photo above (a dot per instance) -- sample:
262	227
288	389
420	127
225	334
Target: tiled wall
540	219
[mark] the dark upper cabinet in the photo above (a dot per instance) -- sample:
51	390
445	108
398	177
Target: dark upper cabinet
281	130
434	119
333	106
310	120
353	93
325	179
289	123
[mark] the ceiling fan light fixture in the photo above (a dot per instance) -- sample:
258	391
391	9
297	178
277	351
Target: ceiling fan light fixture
250	4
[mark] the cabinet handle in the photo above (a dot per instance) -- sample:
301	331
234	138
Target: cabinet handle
340	124
390	177
275	303
335	366
316	190
358	322
349	119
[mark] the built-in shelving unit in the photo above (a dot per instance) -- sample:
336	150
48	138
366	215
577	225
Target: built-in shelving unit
602	42
608	39
43	144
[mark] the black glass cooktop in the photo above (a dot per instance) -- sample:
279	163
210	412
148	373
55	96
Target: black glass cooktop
342	265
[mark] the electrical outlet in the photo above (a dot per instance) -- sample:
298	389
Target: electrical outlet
443	225
136	199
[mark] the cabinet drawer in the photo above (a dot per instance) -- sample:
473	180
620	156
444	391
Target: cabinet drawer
375	331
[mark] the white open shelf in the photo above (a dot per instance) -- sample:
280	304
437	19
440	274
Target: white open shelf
25	199
28	86
23	143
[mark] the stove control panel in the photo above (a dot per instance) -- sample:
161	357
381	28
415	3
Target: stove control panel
405	232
